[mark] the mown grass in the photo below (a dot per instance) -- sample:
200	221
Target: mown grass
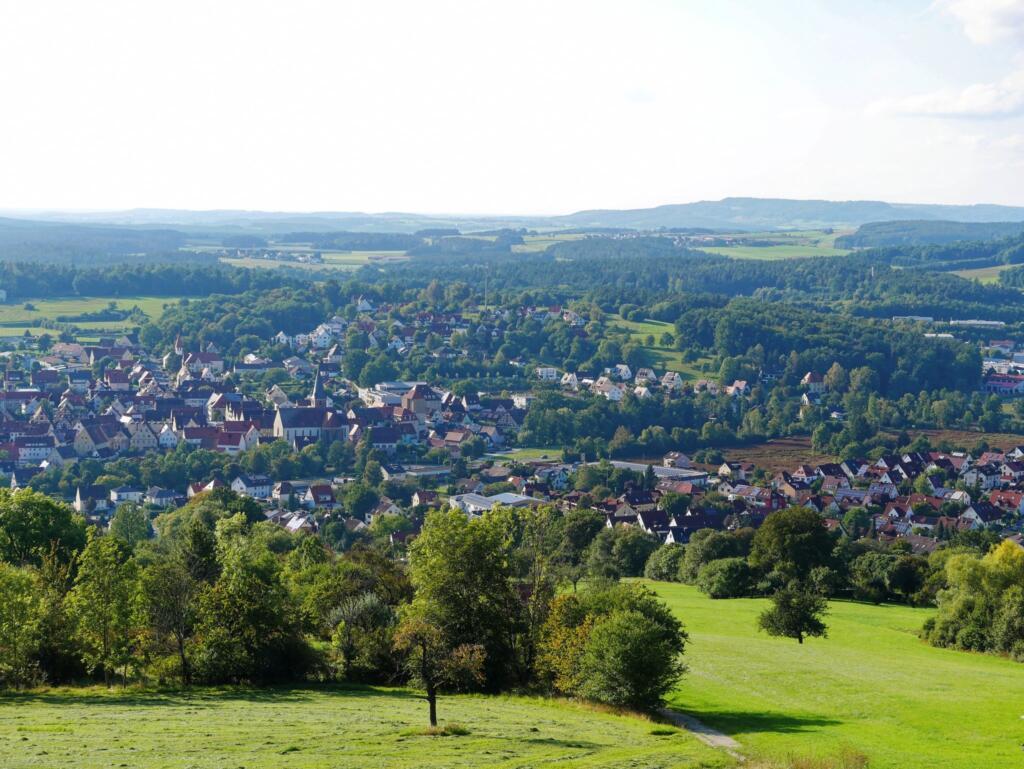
872	687
340	728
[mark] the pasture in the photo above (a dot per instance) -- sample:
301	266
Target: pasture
871	686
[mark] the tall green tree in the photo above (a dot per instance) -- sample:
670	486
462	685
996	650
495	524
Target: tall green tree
130	524
103	604
171	592
792	541
32	525
461	569
21	613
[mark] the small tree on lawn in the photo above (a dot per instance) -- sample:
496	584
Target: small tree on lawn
431	661
796	612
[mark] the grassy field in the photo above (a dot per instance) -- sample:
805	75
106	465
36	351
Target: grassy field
359	258
527	454
984	274
532	243
792	245
663	357
871	686
14	318
775	252
270	264
318	728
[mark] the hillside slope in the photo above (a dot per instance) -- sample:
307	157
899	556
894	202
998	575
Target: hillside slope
872	685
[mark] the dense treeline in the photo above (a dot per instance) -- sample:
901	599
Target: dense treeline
223	596
354	241
28	241
953	256
921	232
901	360
25	281
653	271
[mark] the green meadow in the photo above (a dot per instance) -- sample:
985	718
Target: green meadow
340	728
15	318
791	245
663	357
870	686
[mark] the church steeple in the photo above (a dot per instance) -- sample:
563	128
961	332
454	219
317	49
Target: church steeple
318	397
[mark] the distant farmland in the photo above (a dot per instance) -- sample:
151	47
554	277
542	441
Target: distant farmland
16	318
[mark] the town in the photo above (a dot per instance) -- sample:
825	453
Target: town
421	446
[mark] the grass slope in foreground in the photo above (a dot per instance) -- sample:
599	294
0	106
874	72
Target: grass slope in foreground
341	728
872	685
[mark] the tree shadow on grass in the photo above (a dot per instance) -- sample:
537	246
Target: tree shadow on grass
578	744
737	722
200	695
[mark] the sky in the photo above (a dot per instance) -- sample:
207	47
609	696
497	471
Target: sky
507	106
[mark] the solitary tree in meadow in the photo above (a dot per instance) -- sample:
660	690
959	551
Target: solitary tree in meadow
796	612
431	660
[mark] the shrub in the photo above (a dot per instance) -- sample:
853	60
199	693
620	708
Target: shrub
725	578
619	645
663	565
629	662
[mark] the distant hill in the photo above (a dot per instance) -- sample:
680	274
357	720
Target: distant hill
772	213
728	214
23	240
926	233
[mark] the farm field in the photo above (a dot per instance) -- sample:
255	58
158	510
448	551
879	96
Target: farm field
533	243
794	251
663	357
778	453
333	260
793	245
14	318
871	686
359	258
341	728
968	438
787	453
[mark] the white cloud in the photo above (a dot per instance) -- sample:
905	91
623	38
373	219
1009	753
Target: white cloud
1001	99
989	21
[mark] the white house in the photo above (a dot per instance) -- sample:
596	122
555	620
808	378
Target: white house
255	486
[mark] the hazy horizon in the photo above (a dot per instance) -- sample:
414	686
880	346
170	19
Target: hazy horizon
504	107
